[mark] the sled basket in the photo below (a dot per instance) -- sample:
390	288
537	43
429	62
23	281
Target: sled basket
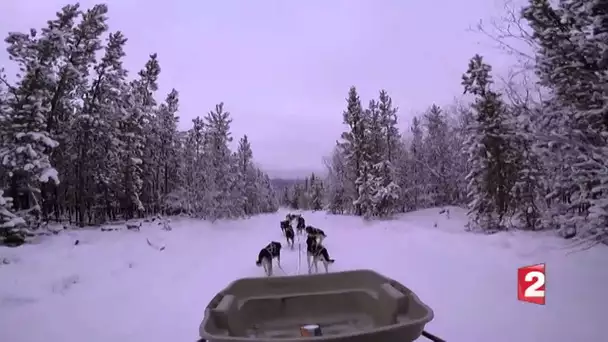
350	306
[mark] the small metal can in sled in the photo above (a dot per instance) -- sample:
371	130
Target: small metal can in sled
310	330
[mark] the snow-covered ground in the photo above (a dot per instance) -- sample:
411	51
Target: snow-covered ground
113	286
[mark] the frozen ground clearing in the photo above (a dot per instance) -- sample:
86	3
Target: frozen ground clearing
113	286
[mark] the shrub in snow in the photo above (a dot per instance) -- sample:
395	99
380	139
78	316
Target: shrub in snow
10	223
8	219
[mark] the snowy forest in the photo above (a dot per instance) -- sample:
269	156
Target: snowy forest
529	155
82	141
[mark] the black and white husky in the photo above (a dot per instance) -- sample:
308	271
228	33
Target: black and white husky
288	232
289	236
316	232
316	252
273	250
285	224
301	224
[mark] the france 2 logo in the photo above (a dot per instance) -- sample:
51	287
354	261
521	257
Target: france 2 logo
531	281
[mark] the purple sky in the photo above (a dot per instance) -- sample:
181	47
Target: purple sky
283	68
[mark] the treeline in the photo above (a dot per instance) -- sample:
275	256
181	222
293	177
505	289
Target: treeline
375	171
81	141
514	159
307	194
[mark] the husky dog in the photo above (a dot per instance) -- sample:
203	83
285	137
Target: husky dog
316	252
284	225
290	217
273	250
301	225
289	236
316	232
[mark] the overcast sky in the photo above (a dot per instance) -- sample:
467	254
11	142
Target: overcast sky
283	68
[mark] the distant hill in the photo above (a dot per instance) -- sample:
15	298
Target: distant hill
281	183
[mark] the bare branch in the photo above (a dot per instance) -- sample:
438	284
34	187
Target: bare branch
510	33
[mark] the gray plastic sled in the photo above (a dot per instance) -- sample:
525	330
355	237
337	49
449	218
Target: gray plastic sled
351	306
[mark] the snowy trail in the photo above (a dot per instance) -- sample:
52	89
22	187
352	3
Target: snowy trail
112	286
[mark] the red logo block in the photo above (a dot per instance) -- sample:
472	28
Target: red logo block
531	281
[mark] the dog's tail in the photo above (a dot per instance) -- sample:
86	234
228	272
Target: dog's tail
258	263
325	255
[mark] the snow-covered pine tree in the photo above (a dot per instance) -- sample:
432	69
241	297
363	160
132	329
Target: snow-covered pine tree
178	200
27	143
368	128
166	122
217	136
574	132
490	155
4	129
375	143
401	163
136	108
131	152
416	177
285	199
389	121
371	182
266	193
236	190
248	177
436	157
196	193
352	146
94	138
149	170
337	182
460	166
304	197
386	188
527	194
296	197
77	45
316	193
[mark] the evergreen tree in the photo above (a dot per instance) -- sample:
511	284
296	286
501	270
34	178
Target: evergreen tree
436	156
489	151
572	139
416	176
27	142
248	176
386	188
352	147
166	123
316	193
337	180
218	136
388	119
95	135
460	166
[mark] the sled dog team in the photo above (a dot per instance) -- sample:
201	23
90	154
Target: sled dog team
315	251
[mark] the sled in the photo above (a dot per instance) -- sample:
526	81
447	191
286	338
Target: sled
350	306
